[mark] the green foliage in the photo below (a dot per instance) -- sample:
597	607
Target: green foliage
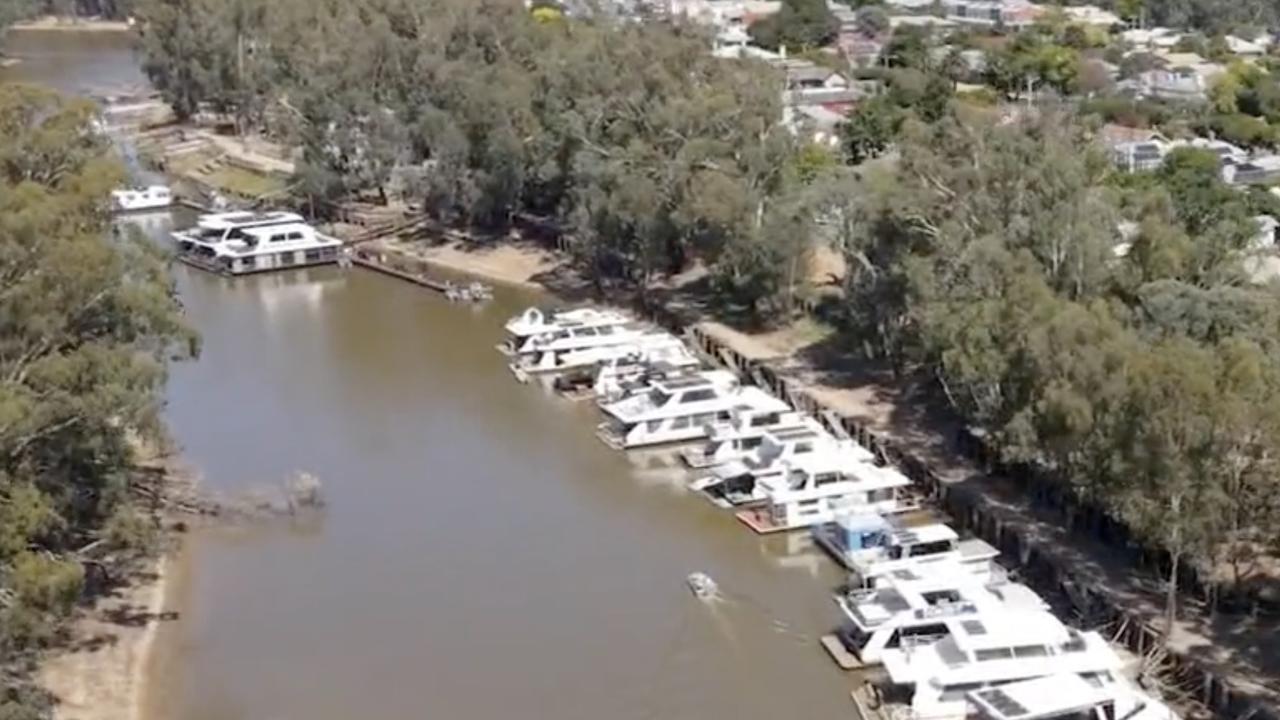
1150	382
869	129
88	322
1244	130
799	24
648	151
873	21
908	48
1127	111
11	11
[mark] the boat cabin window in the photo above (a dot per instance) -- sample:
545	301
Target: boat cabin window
680	423
855	638
803	447
826	479
657	397
208	234
1030	651
993	654
698	395
881	495
938	597
766	419
237	234
916	635
958	692
605	330
932	548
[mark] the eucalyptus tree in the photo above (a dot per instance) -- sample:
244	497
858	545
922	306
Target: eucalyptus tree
88	323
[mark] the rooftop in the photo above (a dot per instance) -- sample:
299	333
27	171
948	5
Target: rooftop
1042	697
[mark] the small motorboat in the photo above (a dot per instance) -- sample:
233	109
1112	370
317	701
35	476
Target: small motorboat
702	585
474	292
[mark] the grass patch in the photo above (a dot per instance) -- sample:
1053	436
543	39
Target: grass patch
244	182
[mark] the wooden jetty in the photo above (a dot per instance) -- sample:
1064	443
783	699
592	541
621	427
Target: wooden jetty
838	652
376	262
759	521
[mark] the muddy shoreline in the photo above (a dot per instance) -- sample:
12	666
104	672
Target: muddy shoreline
105	671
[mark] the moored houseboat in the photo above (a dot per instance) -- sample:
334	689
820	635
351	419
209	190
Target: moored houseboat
677	410
938	681
909	608
239	243
816	488
535	322
872	546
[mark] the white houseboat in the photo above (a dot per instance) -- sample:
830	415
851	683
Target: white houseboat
677	410
738	437
908	608
1067	697
936	681
536	322
814	490
739	482
152	197
579	348
872	546
239	243
618	378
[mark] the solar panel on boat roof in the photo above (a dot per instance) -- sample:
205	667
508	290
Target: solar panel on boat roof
687	382
793	433
974	627
1001	701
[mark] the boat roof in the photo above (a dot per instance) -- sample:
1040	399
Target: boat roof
897	533
866	471
1023	651
247	218
898	592
794	433
933	532
1045	697
754	397
266	231
1011	628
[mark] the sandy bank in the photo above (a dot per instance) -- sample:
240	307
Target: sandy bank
517	263
103	673
52	22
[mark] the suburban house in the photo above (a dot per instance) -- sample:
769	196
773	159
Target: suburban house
992	13
1247	48
1187	83
1256	170
1092	15
807	75
1152	38
1133	149
1138	156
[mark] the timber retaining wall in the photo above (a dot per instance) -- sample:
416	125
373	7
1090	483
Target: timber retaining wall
972	512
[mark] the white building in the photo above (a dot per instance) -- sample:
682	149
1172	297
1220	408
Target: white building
1091	15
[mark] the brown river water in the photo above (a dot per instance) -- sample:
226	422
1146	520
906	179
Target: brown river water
483	555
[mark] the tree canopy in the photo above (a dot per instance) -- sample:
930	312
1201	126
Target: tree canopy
88	322
649	152
989	256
